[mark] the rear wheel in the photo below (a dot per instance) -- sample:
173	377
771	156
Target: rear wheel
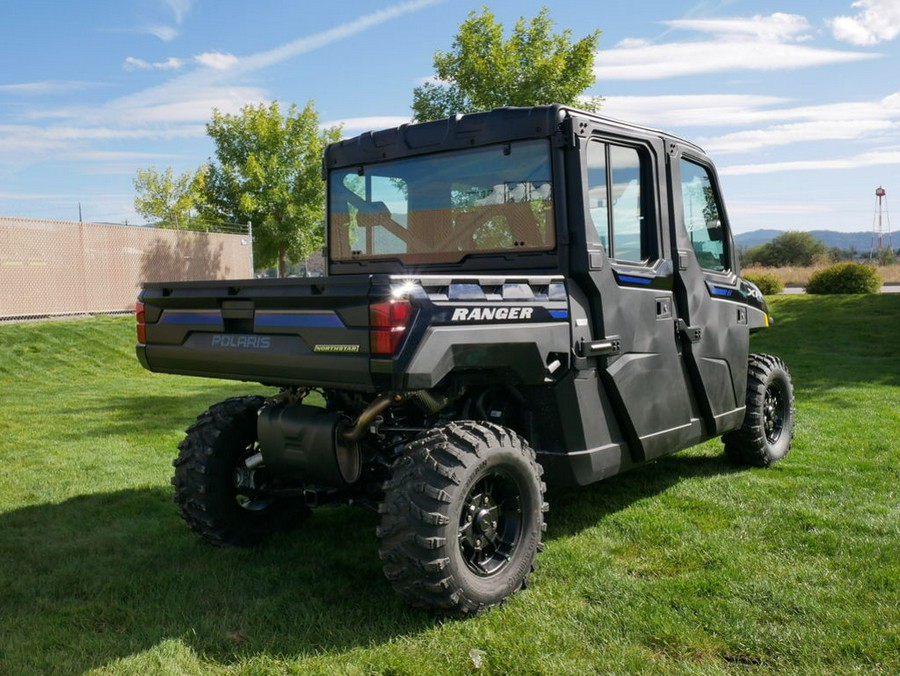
218	494
768	429
462	518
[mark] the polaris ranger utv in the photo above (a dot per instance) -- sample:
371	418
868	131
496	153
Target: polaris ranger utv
510	293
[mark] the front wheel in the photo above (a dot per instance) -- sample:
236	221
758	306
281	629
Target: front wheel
218	494
768	429
462	518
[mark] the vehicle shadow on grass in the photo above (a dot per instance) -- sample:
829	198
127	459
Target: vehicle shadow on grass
102	577
127	413
578	508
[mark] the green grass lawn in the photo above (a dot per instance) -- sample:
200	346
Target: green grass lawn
688	565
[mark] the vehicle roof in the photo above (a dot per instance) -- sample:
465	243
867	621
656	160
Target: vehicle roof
475	129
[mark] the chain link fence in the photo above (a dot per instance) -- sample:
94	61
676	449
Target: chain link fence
57	268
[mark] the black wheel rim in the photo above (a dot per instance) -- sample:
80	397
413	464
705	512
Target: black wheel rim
774	412
490	525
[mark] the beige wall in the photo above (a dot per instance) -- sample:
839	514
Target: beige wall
61	267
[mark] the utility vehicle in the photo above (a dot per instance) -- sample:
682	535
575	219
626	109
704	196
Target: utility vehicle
513	297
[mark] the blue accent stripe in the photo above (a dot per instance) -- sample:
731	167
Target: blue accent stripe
721	291
631	279
205	318
559	314
299	320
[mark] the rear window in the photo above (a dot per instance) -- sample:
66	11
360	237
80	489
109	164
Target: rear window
441	208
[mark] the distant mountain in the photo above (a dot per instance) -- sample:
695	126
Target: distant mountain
756	237
861	241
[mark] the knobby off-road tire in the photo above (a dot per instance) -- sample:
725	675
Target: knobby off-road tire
768	429
462	518
206	471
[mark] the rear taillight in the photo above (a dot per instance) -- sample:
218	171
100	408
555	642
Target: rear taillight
141	318
389	322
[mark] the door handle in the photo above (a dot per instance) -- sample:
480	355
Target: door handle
599	348
664	308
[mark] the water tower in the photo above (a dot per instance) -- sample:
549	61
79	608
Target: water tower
881	229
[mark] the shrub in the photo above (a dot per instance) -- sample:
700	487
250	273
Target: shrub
845	278
767	282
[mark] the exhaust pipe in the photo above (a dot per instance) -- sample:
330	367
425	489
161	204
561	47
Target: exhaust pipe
358	430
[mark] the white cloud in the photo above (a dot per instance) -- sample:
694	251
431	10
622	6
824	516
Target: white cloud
312	42
877	21
767	208
776	123
691	110
868	159
177	108
74	142
122	156
134	63
15	146
786	134
750	214
759	43
777	27
194	106
217	60
165	31
192	95
82	144
632	43
35	196
48	87
179	8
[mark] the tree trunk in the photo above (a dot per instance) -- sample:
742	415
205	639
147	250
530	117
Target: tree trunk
282	262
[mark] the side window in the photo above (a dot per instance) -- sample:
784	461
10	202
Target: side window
598	203
616	201
701	217
628	216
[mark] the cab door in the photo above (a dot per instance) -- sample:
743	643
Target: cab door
632	298
712	315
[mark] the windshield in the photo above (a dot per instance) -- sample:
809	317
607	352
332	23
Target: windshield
440	208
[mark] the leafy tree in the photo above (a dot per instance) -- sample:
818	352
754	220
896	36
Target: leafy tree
267	170
789	248
886	256
837	254
166	199
797	248
483	70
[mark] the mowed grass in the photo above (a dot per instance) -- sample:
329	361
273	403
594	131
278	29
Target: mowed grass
686	566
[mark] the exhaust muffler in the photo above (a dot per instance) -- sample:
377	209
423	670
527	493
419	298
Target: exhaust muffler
306	442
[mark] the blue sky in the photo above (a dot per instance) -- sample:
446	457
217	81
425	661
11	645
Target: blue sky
797	101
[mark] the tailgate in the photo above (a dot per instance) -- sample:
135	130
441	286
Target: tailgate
301	332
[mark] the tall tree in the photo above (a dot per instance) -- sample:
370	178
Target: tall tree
267	170
165	199
483	70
